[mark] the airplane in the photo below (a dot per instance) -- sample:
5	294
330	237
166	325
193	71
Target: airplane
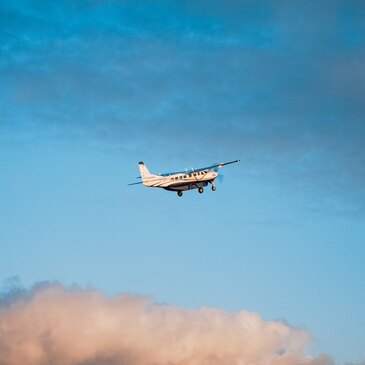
182	180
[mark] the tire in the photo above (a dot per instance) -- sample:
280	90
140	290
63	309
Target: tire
200	190
180	193
214	188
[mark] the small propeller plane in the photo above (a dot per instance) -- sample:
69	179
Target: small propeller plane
182	180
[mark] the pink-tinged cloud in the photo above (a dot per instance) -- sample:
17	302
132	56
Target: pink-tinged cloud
59	326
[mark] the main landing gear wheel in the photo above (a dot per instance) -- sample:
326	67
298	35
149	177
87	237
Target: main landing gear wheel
179	193
200	190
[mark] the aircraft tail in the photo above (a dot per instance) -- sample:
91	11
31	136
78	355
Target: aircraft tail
145	174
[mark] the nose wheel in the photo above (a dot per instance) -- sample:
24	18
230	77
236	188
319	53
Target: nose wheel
180	193
200	190
213	186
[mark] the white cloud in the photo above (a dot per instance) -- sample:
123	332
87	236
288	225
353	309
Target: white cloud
55	325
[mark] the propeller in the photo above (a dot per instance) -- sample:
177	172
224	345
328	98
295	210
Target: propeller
220	176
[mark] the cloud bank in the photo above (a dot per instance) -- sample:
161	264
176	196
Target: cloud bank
51	324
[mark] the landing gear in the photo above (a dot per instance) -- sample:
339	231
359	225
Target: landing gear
179	193
200	190
213	186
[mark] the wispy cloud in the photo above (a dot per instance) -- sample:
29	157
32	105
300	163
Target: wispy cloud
51	324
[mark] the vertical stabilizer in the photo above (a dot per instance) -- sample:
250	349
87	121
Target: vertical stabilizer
145	174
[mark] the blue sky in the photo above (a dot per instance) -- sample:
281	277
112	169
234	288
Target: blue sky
88	89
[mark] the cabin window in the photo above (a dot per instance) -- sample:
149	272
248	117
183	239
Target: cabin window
189	175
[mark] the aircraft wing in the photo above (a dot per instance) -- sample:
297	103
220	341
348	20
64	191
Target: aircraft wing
217	166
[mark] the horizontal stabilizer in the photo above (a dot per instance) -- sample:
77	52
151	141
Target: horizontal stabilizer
137	183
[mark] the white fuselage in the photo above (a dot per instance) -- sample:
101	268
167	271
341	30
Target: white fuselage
181	181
